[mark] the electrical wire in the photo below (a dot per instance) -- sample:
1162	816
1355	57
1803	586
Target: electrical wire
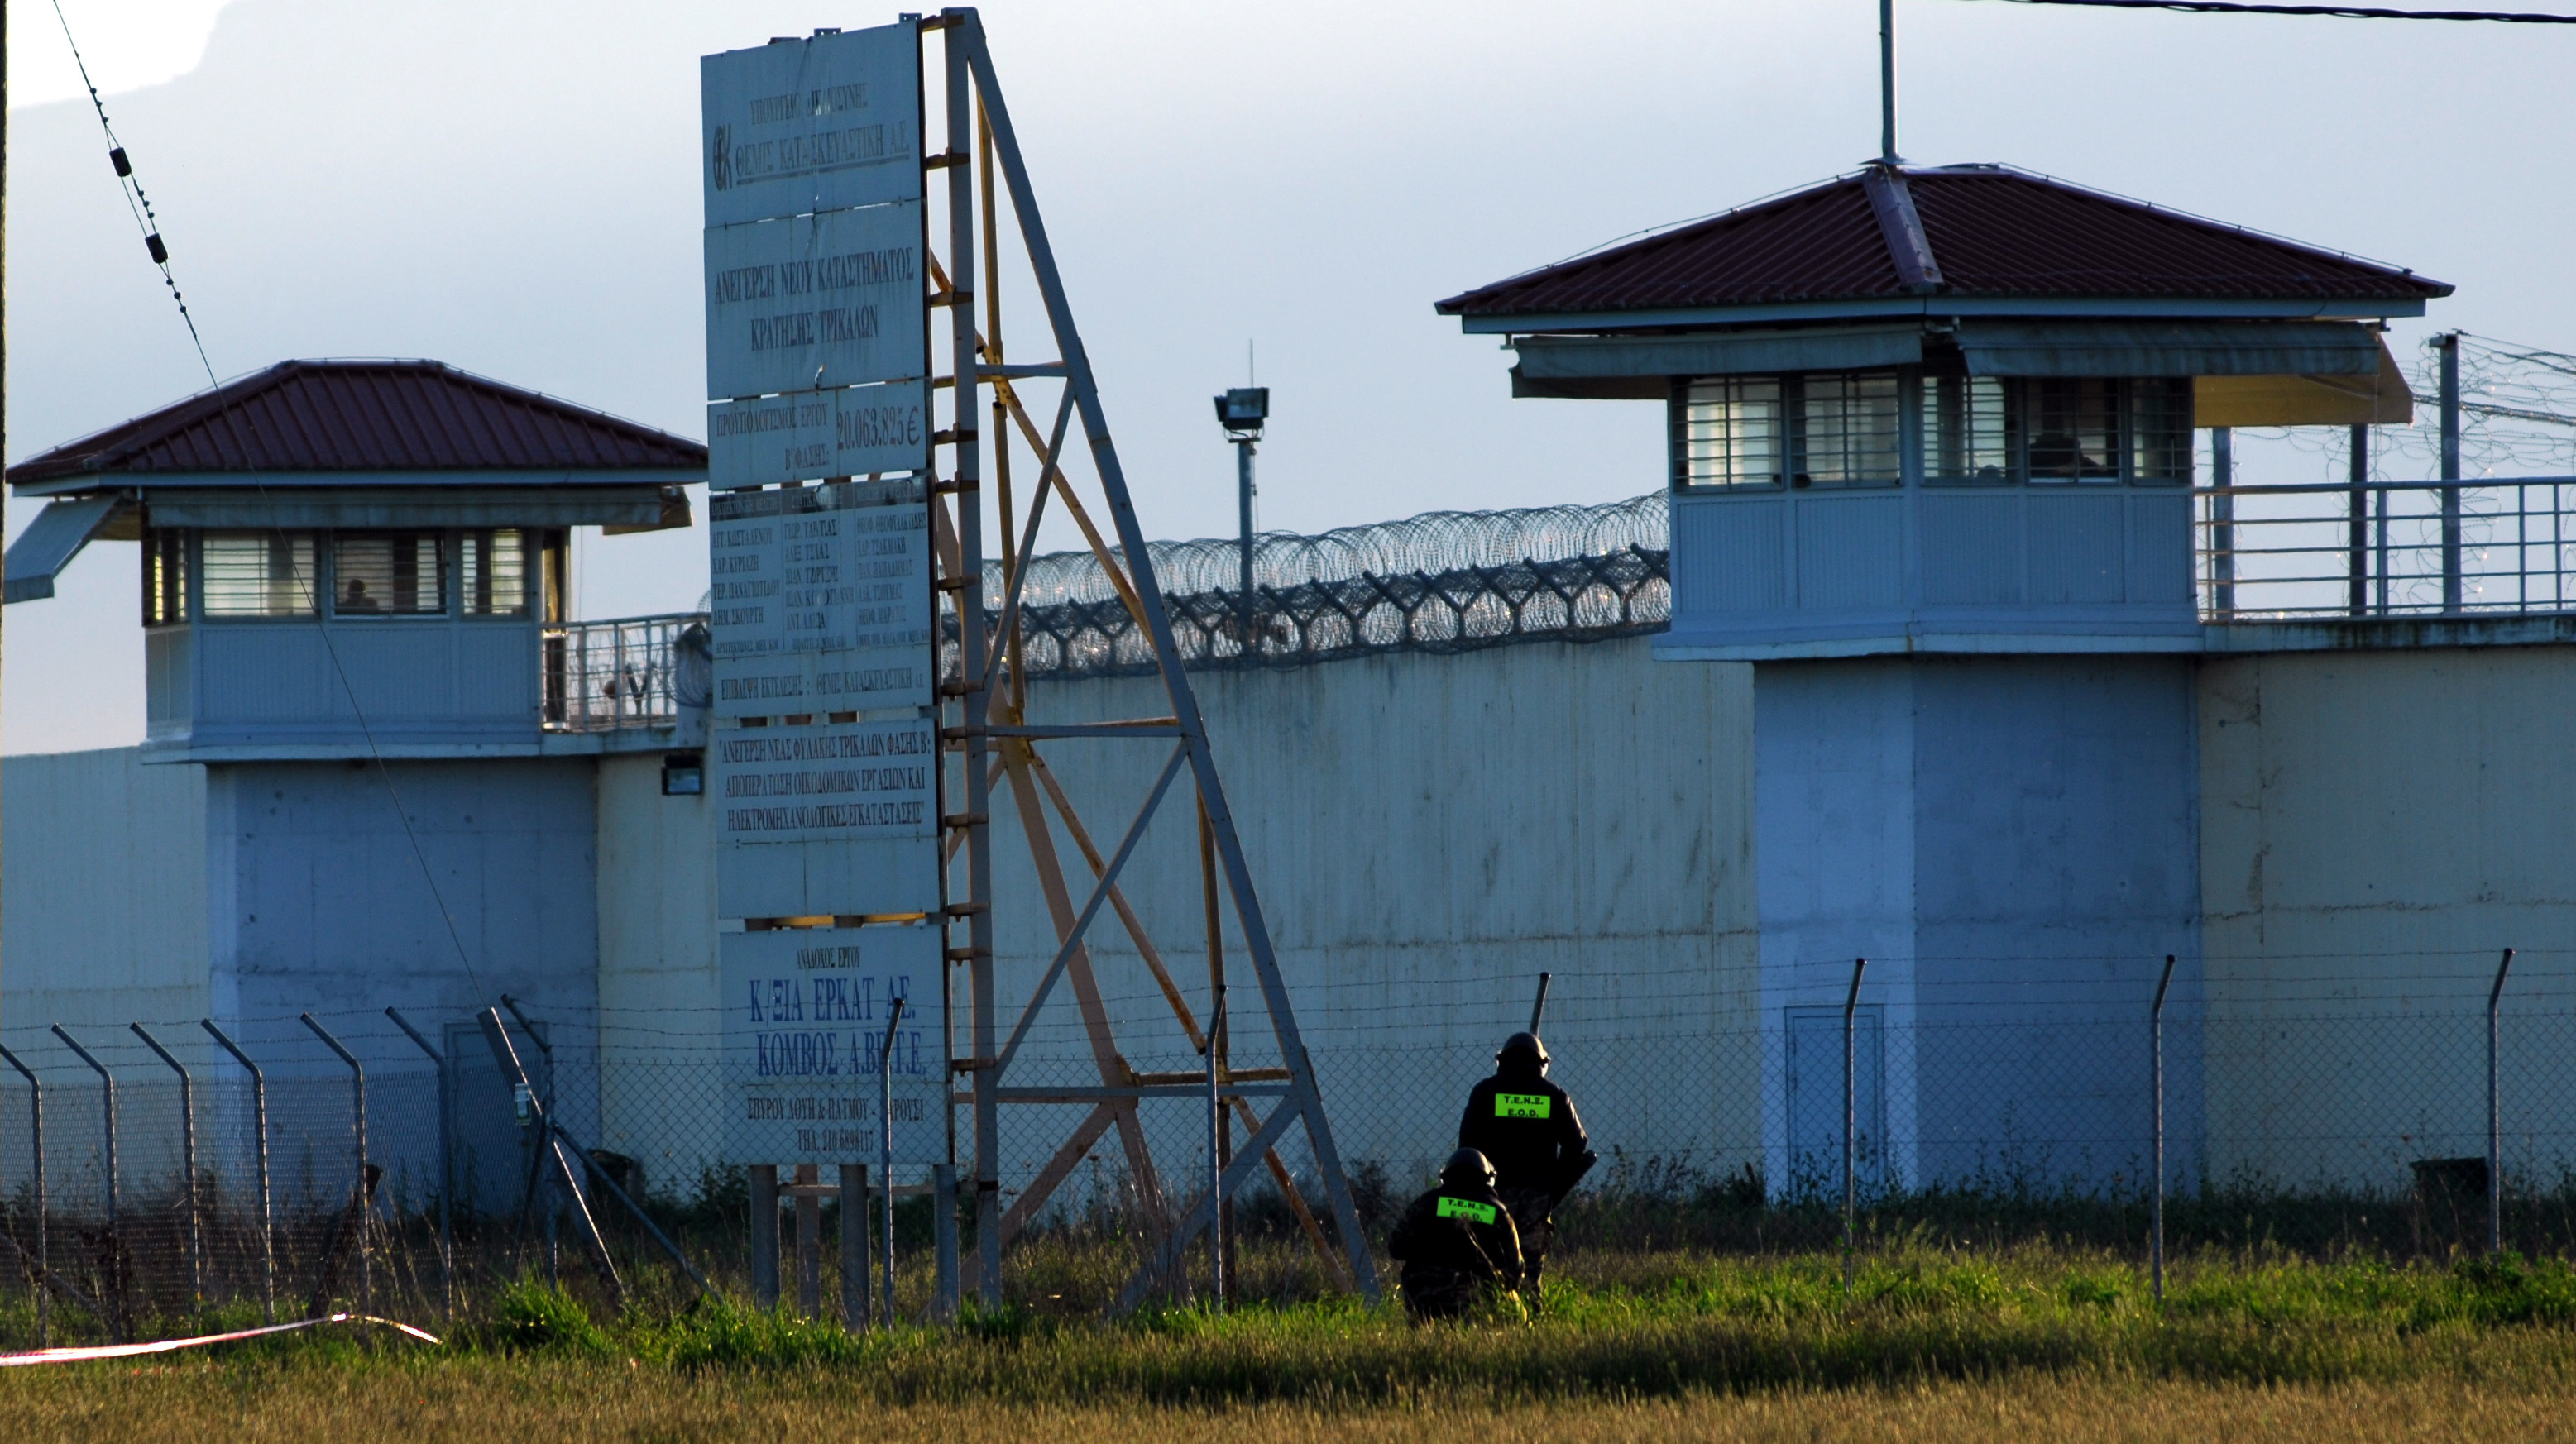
2337	12
146	219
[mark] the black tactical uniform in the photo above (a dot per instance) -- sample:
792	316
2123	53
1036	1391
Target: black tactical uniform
1457	1243
1528	1127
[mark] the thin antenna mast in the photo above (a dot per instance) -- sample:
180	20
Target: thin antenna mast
1887	82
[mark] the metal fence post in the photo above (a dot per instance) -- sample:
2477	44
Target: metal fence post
187	1163
44	1269
943	1232
764	1235
2449	343
2495	1109
1216	1159
885	1146
446	1169
365	1197
809	1239
854	1247
545	1050
259	1148
1851	1006
2156	1034
2222	523
2357	587
115	1231
107	1081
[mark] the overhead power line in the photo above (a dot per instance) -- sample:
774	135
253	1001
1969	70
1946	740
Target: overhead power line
131	186
2338	12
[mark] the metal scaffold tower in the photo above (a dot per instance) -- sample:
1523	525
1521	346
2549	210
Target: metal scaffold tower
989	740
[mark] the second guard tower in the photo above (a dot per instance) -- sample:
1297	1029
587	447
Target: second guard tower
1932	455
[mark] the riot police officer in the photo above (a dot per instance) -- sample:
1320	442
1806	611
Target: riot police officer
1457	1243
1526	1124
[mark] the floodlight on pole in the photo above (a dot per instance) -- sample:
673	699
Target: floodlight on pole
1242	410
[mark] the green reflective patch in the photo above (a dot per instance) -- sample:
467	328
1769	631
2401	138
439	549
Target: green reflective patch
1521	1105
1466	1208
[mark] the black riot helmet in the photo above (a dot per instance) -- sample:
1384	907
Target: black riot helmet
1467	1168
1528	1047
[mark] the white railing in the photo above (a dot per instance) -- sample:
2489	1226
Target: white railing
627	672
2489	547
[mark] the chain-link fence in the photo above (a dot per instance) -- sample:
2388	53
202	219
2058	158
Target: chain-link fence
2330	1103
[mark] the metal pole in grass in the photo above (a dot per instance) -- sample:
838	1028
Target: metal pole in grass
1851	1006
2156	1031
546	1051
259	1148
44	1272
361	1200
446	1169
2495	1110
116	1275
1216	1160
885	1147
187	1161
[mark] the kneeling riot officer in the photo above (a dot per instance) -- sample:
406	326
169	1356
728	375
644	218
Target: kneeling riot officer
1527	1126
1457	1243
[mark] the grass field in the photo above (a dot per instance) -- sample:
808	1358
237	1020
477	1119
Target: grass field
2037	1342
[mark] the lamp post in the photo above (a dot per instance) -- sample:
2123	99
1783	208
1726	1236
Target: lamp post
1241	411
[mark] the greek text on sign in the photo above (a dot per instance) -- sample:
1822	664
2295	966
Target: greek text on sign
813	302
807	435
1466	1208
819	784
812	125
1521	1105
805	1034
843	568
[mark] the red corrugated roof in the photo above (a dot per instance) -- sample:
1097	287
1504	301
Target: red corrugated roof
1994	231
361	416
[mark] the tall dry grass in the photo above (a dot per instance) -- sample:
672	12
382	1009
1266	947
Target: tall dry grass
512	1403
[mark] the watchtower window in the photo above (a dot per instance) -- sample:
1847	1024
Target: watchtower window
165	577
387	574
2160	429
1730	432
492	572
1986	430
1971	430
258	574
2075	429
1848	430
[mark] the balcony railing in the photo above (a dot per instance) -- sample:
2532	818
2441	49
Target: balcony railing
628	672
2388	549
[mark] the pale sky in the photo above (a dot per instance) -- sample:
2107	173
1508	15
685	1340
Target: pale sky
512	187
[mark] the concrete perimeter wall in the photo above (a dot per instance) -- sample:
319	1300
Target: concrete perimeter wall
103	917
658	1023
1429	833
2376	828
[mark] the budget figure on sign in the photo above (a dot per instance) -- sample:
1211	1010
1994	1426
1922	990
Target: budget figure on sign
1457	1244
1527	1126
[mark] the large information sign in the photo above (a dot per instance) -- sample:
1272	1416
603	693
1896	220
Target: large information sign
825	759
832	299
806	1011
822	124
821	599
834	819
816	271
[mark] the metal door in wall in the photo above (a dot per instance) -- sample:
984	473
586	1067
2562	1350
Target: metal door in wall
493	1152
1813	1062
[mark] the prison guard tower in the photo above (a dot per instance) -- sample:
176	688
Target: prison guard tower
1931	467
354	588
